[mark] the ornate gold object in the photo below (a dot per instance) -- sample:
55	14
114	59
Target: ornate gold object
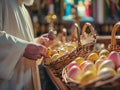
51	18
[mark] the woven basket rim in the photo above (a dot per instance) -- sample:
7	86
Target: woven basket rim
104	81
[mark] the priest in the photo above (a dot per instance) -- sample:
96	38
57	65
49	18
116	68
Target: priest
16	71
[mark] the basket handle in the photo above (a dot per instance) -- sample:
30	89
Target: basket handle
90	27
113	39
76	26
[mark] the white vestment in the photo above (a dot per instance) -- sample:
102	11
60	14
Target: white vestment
16	19
16	72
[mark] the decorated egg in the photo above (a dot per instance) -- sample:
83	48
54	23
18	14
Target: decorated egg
104	52
79	60
106	63
115	57
87	77
93	57
106	71
71	64
74	73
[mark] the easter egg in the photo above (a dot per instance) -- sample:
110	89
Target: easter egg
103	57
104	52
83	64
90	67
55	57
115	57
98	62
79	60
61	51
87	76
69	47
93	57
107	63
74	73
71	64
106	71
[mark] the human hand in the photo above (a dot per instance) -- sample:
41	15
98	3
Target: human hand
46	39
34	51
51	35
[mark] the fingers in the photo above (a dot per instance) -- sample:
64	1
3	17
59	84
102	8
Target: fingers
51	35
43	50
33	57
45	35
42	40
46	39
33	51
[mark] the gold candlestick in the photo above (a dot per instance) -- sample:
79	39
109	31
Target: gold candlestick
51	18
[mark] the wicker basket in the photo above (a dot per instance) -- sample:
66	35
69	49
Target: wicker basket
59	64
106	82
54	69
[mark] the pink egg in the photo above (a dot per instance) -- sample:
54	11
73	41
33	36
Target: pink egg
74	73
115	57
71	64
